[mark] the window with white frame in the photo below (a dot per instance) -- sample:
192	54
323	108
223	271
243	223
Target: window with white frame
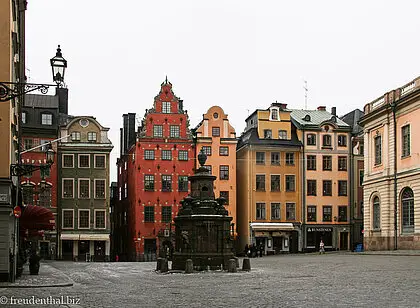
46	118
290	183
342	140
275	182
84	188
274	114
182	155
224	172
378	150
100	161
182	183
290	211
207	150
166	155
68	189
99	188
260	211
68	220
149	182
149	154
84	218
84	160
91	136
157	131
68	160
326	140
99	219
166	182
275	211
223	151
166	107
268	134
75	136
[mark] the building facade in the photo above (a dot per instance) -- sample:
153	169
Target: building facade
83	194
268	181
218	140
153	174
391	170
325	180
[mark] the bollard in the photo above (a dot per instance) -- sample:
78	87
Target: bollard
158	264
232	266
163	265
237	261
246	265
189	267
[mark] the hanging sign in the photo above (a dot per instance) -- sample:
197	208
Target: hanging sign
17	211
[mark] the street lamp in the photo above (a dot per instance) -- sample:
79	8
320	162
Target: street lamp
20	169
58	65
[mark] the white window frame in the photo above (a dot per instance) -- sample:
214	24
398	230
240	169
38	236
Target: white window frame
78	188
72	165
79	156
72	221
94	159
23	118
48	119
76	136
271	114
94	222
78	219
62	188
89	134
165	106
94	189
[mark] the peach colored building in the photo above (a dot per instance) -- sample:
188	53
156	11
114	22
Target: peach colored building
325	180
218	140
268	180
391	172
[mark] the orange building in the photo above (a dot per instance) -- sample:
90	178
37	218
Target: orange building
218	140
268	174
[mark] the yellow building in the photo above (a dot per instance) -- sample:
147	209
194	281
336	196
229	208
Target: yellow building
268	178
218	140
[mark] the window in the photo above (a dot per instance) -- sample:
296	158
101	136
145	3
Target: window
274	114
84	188
99	161
342	213
99	219
361	176
275	182
405	132
342	188
311	213
311	139
260	158
327	188
166	107
275	211
378	150
44	145
45	197
260	211
28	143
362	149
68	219
149	214
290	211
46	119
207	150
342	140
290	159
68	160
166	155
45	172
282	134
311	188
149	182
342	163
182	155
327	213
275	158
224	172
407	199
326	140
28	194
91	136
215	131
174	131
225	194
182	183
166	183
311	162
149	154
84	161
327	163
157	131
290	183
23	117
208	167
260	182
75	136
99	189
84	219
224	151
68	188
268	134
376	213
166	213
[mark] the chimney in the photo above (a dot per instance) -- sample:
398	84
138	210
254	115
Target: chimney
334	111
63	100
321	108
283	106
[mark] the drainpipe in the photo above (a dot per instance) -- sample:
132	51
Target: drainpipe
303	190
394	110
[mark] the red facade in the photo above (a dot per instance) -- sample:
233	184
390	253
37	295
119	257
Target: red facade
151	172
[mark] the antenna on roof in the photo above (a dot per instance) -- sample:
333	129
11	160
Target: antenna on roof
306	94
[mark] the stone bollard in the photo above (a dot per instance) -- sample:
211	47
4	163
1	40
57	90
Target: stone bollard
163	265
232	266
189	266
237	261
246	265
158	264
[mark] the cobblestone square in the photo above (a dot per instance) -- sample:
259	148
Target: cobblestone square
310	280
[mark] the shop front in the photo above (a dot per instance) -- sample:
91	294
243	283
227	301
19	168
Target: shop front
334	237
275	238
85	247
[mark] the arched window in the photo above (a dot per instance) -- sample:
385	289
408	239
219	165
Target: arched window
407	200
376	213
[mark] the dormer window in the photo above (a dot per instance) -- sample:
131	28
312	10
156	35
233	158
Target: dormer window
23	117
75	136
268	134
307	118
91	136
46	119
274	115
166	107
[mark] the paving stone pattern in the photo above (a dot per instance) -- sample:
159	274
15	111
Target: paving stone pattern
330	280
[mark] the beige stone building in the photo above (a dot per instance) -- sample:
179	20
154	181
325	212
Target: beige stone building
391	170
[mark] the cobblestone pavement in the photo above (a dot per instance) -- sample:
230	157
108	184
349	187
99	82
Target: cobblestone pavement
330	280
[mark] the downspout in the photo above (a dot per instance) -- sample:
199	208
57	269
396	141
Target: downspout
303	190
353	186
394	107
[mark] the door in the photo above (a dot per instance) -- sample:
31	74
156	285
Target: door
67	250
84	250
344	238
150	249
44	251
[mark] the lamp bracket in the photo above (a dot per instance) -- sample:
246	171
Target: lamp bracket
10	90
25	169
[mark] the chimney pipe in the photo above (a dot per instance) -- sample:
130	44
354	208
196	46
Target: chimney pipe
334	111
321	108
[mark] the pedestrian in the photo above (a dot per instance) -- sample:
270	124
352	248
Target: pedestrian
117	258
254	250
246	251
261	250
321	247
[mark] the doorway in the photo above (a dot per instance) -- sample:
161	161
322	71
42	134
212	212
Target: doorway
84	250
67	250
344	241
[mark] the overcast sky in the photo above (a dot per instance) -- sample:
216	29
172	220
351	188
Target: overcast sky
240	55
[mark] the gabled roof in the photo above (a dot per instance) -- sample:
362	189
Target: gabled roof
251	137
352	118
304	118
41	101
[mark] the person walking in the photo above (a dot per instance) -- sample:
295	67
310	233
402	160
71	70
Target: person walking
321	247
261	250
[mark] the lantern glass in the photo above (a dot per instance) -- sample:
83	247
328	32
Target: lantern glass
58	65
49	155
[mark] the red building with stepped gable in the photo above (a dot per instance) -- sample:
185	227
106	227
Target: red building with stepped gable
153	172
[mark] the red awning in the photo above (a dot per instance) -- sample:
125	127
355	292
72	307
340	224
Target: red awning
37	218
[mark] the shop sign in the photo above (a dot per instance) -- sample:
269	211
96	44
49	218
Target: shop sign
319	229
